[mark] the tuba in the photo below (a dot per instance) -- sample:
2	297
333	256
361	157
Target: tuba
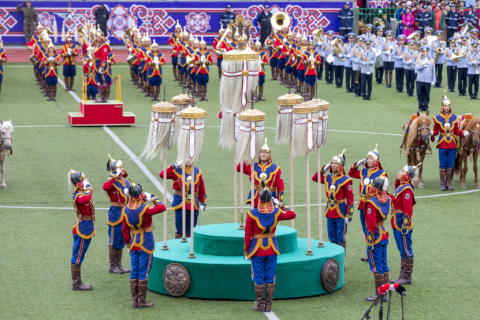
317	37
280	20
461	54
338	50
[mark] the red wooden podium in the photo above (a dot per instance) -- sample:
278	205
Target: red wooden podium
102	114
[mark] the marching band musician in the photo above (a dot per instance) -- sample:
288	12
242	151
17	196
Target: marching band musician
182	51
260	244
428	33
459	34
34	45
438	44
116	187
356	66
274	176
368	33
371	170
473	36
84	228
174	37
147	42
51	75
409	61
473	76
338	64
192	176
100	55
311	59
399	67
273	54
328	50
367	60
469	16
281	42
203	59
425	78
348	54
42	52
451	65
69	52
377	209
193	45
446	127
111	62
3	59
339	210
132	51
155	61
137	219
88	75
288	52
229	43
402	225
388	61
320	40
296	62
216	41
462	67
378	46
261	74
300	66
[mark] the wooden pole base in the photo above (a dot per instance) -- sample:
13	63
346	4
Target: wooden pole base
309	253
191	255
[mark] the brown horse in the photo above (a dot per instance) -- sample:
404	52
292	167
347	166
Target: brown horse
468	149
416	141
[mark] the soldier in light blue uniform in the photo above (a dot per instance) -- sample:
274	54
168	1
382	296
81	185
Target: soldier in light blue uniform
388	49
327	50
409	61
378	45
451	65
367	60
368	35
398	54
425	78
356	67
439	43
462	67
338	64
348	54
473	71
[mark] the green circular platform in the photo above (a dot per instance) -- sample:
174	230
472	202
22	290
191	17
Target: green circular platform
219	270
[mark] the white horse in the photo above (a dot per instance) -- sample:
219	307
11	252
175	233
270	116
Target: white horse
6	130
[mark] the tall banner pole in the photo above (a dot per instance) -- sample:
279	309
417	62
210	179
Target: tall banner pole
184	238
165	246
193	200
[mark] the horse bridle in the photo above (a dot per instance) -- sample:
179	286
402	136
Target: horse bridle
473	131
425	142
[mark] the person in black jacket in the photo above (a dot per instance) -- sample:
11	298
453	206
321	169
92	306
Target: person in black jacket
227	16
101	16
345	15
264	24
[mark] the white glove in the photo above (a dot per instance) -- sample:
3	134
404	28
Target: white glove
224	50
361	162
203	60
69	50
466	133
119	173
148	195
433	83
347	221
130	49
293	59
155	60
191	66
280	47
276	202
340	55
201	208
431	133
218	52
311	58
328	166
389	51
246	258
90	56
86	184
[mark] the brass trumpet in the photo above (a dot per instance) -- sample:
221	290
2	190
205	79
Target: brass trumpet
439	52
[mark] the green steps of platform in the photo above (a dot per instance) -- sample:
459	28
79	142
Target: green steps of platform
227	240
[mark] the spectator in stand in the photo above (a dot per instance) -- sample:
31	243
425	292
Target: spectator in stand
345	15
101	16
264	24
398	16
227	16
30	19
431	6
461	7
423	18
470	16
408	22
415	11
438	18
477	10
453	19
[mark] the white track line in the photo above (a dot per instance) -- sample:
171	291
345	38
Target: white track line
223	208
271	315
128	152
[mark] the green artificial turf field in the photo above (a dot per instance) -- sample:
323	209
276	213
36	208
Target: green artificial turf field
36	214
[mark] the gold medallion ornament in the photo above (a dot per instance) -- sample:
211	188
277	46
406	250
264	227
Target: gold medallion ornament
176	279
330	275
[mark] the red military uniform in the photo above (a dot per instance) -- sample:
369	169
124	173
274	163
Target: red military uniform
264	59
439	129
215	44
69	60
172	41
83	205
281	40
311	71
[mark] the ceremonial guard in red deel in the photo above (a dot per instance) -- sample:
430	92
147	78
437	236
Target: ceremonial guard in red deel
274	179
3	59
84	228
402	223
261	244
100	55
261	74
69	53
89	76
446	127
174	172
373	168
203	60
116	188
51	74
174	37
155	61
218	51
339	210
137	219
377	209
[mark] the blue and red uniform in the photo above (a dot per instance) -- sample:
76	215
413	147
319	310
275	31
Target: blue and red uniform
89	78
402	223
172	41
274	180
100	55
155	74
202	71
281	40
175	173
69	62
261	244
3	59
377	210
180	49
340	204
270	41
261	74
216	40
446	144
84	227
51	74
311	70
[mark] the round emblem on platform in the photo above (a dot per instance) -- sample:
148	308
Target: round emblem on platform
176	279
330	275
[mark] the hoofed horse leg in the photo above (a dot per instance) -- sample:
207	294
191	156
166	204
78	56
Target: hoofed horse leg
465	169
3	185
475	168
420	170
